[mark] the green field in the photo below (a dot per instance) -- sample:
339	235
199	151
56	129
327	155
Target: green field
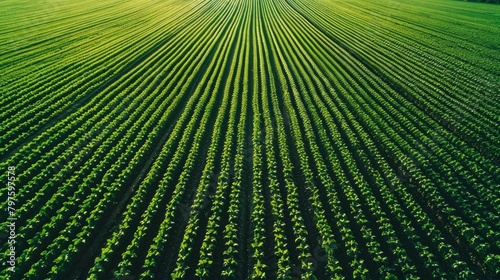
249	139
